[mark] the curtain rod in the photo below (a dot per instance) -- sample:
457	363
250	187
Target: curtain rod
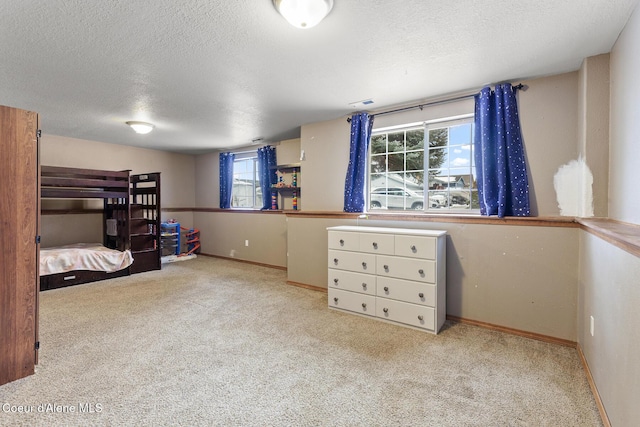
441	101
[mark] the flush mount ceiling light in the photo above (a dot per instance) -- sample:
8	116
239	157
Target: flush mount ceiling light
303	13
141	127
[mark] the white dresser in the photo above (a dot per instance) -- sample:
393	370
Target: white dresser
392	274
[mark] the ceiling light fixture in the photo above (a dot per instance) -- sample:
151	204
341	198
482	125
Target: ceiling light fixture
141	127
303	13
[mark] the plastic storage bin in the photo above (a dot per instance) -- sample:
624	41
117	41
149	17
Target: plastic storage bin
170	238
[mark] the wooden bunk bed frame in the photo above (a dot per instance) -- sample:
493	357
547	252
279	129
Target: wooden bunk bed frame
113	188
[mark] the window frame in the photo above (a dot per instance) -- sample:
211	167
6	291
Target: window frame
255	180
392	190
426	126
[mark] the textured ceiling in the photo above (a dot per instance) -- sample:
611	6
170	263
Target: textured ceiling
217	74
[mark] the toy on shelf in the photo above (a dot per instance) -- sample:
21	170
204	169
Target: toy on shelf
192	239
286	187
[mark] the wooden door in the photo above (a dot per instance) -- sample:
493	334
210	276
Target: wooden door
19	222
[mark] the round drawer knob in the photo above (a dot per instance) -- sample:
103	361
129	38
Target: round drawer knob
341	242
364	265
420	318
421	295
375	245
364	286
386	289
386	268
421	272
335	299
413	248
386	310
364	305
335	281
335	261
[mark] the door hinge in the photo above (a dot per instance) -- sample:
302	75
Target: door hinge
37	240
39	133
37	345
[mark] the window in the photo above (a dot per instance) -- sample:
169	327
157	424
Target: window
246	192
402	177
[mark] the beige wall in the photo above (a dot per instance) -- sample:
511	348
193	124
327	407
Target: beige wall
326	147
178	187
549	119
624	203
608	276
177	183
288	151
609	291
226	234
515	276
207	176
593	129
58	230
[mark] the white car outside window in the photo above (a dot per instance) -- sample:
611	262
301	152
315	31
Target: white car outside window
398	198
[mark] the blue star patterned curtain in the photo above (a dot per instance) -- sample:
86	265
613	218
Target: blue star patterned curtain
501	171
267	173
361	124
226	179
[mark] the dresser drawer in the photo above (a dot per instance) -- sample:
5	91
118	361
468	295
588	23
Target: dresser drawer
416	246
377	243
352	301
350	281
410	314
344	240
406	268
406	290
352	261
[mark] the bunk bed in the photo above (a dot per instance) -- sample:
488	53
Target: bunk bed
88	262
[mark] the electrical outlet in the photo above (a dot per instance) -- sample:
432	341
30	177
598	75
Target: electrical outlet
246	243
591	325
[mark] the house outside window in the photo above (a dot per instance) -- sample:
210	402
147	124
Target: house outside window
246	192
404	175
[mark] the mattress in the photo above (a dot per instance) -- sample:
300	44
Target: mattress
83	256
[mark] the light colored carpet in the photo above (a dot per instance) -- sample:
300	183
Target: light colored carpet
214	342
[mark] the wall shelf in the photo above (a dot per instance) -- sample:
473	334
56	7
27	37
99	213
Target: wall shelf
289	176
287	167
